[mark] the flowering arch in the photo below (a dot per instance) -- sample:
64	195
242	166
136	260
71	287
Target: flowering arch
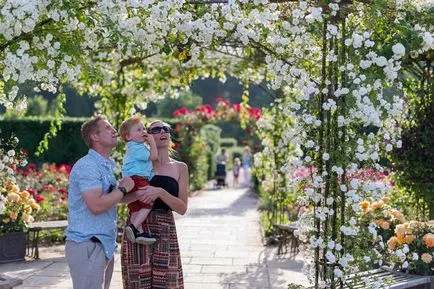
332	67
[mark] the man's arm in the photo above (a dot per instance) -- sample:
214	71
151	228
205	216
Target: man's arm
98	203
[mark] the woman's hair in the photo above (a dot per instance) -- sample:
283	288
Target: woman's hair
126	126
89	128
155	121
172	152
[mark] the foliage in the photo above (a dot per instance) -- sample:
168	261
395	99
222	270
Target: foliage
278	198
36	106
417	119
49	187
167	106
193	150
16	206
417	144
401	198
198	163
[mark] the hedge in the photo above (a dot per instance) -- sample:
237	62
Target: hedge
228	142
67	147
233	130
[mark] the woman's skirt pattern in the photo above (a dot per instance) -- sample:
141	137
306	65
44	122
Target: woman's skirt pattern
156	266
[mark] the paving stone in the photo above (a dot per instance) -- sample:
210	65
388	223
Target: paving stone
208	286
211	261
223	269
221	248
203	278
23	270
7	282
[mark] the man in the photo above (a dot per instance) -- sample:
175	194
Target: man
92	198
222	158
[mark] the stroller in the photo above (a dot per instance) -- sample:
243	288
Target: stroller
220	175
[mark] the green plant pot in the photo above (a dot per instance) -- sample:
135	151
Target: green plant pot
12	247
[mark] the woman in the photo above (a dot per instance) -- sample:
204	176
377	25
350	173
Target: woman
158	265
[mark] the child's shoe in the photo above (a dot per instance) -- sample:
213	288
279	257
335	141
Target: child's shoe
131	232
145	239
136	237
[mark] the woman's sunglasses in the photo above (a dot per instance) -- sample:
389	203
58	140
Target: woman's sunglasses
158	129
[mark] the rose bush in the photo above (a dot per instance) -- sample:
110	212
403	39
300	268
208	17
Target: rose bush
17	206
411	248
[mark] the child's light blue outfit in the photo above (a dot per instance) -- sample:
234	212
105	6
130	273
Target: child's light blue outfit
136	161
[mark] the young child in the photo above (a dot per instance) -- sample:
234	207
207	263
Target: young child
236	170
137	164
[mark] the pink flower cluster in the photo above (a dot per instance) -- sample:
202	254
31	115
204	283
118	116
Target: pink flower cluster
223	111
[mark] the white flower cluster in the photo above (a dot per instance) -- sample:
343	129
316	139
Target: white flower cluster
9	160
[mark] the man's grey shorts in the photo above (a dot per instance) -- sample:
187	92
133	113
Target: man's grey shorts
89	267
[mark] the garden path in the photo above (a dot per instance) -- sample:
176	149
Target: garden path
220	243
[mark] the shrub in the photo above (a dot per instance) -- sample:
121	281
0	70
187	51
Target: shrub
199	163
211	134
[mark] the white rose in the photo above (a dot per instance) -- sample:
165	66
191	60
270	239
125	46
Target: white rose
389	147
338	273
398	49
330	257
381	61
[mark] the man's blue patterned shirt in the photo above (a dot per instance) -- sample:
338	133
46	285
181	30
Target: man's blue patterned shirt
90	172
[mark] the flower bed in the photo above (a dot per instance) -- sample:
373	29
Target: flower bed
49	187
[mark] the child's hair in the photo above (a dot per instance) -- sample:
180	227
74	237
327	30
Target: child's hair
237	161
126	126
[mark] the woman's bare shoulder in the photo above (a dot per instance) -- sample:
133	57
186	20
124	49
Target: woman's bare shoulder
180	165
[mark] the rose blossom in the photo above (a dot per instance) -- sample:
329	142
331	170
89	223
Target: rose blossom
427	258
